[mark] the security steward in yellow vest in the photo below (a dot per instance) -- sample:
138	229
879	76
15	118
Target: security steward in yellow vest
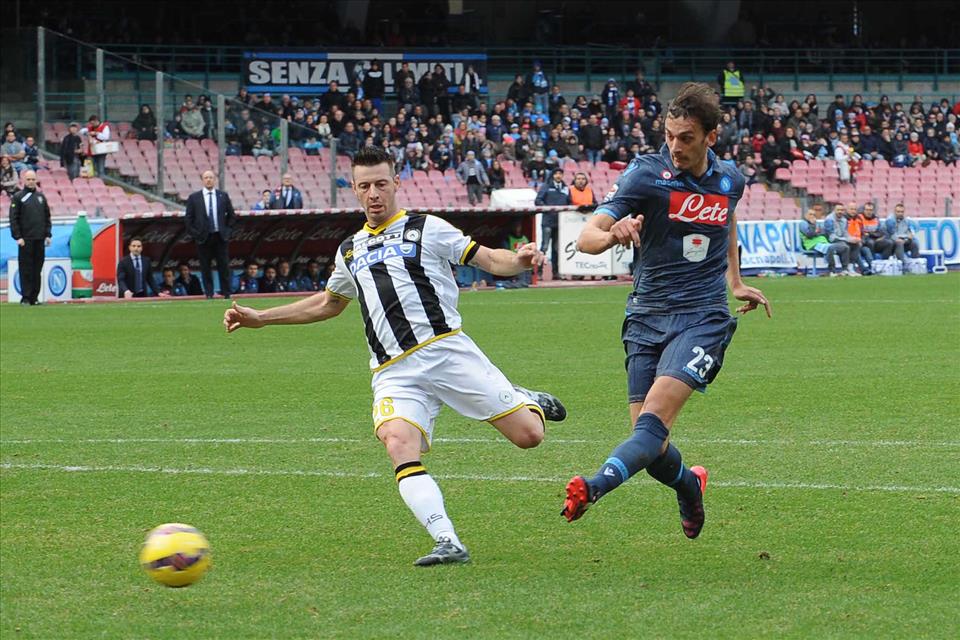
731	83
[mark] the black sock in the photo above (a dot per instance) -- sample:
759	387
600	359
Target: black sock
670	470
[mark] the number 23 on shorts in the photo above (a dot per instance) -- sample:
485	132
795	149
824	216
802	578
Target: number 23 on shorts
383	409
694	366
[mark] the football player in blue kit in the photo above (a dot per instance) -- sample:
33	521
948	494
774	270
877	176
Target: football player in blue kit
677	206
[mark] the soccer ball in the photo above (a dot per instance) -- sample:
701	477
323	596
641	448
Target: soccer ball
175	555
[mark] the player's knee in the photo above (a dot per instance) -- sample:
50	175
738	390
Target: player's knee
528	437
399	439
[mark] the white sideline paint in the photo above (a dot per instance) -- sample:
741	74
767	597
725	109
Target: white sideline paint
492	441
452	476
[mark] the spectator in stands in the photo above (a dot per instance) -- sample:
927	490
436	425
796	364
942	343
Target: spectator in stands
553	193
731	83
902	231
169	287
268	283
134	275
519	90
403	73
285	278
860	254
264	202
96	132
835	226
186	280
772	158
749	169
12	149
145	124
931	146
31	154
471	173
915	151
497	176
409	95
874	233
843	154
287	196
9	182
441	85
191	121
248	281
539	87
471	86
747	120
610	99
348	142
441	158
373	84
815	237
71	152
313	279
640	86
950	149
593	140
581	194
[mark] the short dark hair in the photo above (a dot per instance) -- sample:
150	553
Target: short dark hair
134	239
251	262
698	101
371	157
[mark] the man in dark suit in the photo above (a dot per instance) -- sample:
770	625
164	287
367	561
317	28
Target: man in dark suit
134	277
288	196
209	218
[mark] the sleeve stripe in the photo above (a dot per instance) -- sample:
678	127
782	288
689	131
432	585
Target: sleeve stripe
338	295
606	211
469	252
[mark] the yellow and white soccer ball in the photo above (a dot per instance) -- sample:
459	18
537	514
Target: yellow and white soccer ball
175	554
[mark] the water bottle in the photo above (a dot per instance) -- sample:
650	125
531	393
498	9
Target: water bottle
81	249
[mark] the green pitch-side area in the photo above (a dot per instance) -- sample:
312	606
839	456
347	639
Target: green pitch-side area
832	436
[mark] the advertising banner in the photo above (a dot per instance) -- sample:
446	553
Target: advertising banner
55	281
613	262
312	73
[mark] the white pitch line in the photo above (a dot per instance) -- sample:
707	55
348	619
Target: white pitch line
743	484
491	441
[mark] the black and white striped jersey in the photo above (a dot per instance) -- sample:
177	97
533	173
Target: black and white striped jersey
400	274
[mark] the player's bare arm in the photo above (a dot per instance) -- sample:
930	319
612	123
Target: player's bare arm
603	232
503	262
751	295
320	306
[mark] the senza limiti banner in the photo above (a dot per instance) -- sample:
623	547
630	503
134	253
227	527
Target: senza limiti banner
312	73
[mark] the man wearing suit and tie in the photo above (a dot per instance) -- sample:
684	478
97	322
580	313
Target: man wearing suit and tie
288	197
209	218
134	277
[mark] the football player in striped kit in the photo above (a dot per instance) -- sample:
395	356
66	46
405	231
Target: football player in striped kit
398	269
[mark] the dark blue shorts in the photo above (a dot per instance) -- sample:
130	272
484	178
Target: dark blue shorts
686	346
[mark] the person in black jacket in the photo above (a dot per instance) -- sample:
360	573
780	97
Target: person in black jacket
134	273
186	280
30	226
553	193
145	124
373	86
209	217
70	152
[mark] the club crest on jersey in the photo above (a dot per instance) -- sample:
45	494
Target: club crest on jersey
412	235
376	256
726	184
699	208
666	175
611	193
695	247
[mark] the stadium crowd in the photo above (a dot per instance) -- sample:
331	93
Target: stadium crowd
439	127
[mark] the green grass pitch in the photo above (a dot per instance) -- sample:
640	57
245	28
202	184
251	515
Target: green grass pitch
832	436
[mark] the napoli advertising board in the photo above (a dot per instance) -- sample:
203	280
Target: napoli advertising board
312	73
775	244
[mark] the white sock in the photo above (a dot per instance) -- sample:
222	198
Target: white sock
423	497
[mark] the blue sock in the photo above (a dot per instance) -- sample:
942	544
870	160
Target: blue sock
633	455
670	470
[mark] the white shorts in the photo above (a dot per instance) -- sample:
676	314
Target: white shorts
451	371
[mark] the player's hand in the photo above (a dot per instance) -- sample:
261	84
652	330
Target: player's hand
626	231
528	256
237	316
753	297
